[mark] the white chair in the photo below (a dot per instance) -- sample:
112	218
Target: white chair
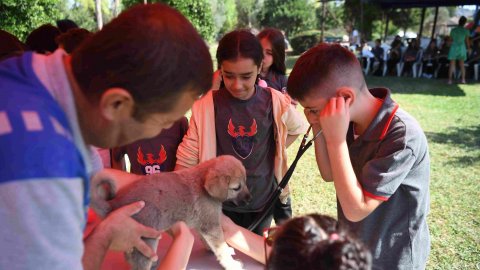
401	64
475	71
386	51
418	64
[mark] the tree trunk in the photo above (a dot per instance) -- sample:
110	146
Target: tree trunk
116	7
98	11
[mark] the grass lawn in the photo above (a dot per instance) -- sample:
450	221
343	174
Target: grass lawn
450	117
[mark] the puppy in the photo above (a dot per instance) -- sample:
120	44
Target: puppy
193	195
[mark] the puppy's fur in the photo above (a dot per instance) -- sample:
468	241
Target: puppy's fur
193	195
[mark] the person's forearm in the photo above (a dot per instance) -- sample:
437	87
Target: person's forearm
348	189
246	242
179	167
321	156
178	254
290	139
96	246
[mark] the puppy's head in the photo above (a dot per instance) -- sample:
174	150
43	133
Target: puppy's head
225	180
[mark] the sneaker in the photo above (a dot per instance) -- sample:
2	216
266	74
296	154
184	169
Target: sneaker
449	82
463	82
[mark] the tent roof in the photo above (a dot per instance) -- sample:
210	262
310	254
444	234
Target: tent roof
422	3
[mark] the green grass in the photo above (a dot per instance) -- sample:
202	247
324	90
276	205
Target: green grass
450	117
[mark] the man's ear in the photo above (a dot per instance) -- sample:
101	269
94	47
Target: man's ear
347	93
116	103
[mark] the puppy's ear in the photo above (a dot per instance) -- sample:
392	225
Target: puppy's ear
216	184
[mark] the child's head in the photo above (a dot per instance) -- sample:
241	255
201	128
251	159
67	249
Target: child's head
316	242
273	43
462	21
323	72
239	58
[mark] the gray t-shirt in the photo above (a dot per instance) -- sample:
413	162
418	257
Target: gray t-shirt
391	162
245	131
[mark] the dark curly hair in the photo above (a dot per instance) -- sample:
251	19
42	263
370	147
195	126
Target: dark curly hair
317	242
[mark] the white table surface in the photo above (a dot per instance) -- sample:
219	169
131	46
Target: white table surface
200	258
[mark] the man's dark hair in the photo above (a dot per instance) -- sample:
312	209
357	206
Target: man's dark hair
239	43
152	51
42	39
327	66
65	25
277	40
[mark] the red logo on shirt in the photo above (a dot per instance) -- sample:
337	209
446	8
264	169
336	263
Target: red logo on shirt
151	165
242	140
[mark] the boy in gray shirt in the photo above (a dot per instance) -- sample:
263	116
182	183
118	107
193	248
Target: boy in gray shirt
375	153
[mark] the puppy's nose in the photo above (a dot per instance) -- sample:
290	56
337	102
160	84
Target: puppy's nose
248	197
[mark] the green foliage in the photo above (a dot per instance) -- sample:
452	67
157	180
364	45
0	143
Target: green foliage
198	12
82	12
353	10
248	12
224	15
20	17
304	41
333	17
293	16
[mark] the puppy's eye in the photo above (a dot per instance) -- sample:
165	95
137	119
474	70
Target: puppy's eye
237	188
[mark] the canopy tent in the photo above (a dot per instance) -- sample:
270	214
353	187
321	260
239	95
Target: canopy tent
387	4
422	3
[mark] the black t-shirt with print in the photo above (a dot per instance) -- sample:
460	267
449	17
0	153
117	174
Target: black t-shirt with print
158	154
244	129
276	81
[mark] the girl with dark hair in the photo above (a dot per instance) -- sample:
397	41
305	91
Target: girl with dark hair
273	64
242	119
307	242
273	73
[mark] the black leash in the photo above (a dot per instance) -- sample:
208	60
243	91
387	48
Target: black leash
274	196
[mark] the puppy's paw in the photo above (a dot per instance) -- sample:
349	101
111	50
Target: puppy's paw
229	263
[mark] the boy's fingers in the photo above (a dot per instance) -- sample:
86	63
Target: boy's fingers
146	250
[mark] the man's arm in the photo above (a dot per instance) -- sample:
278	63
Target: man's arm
120	232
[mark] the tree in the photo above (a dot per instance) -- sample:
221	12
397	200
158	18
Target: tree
360	16
198	12
224	16
293	16
248	13
20	17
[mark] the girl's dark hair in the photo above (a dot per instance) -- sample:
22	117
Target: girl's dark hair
277	40
462	21
317	242
152	51
239	44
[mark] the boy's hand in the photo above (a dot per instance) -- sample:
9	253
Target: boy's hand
334	119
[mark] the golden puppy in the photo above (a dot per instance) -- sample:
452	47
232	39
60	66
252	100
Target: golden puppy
193	195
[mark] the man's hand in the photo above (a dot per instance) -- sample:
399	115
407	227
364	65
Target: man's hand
124	233
334	119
